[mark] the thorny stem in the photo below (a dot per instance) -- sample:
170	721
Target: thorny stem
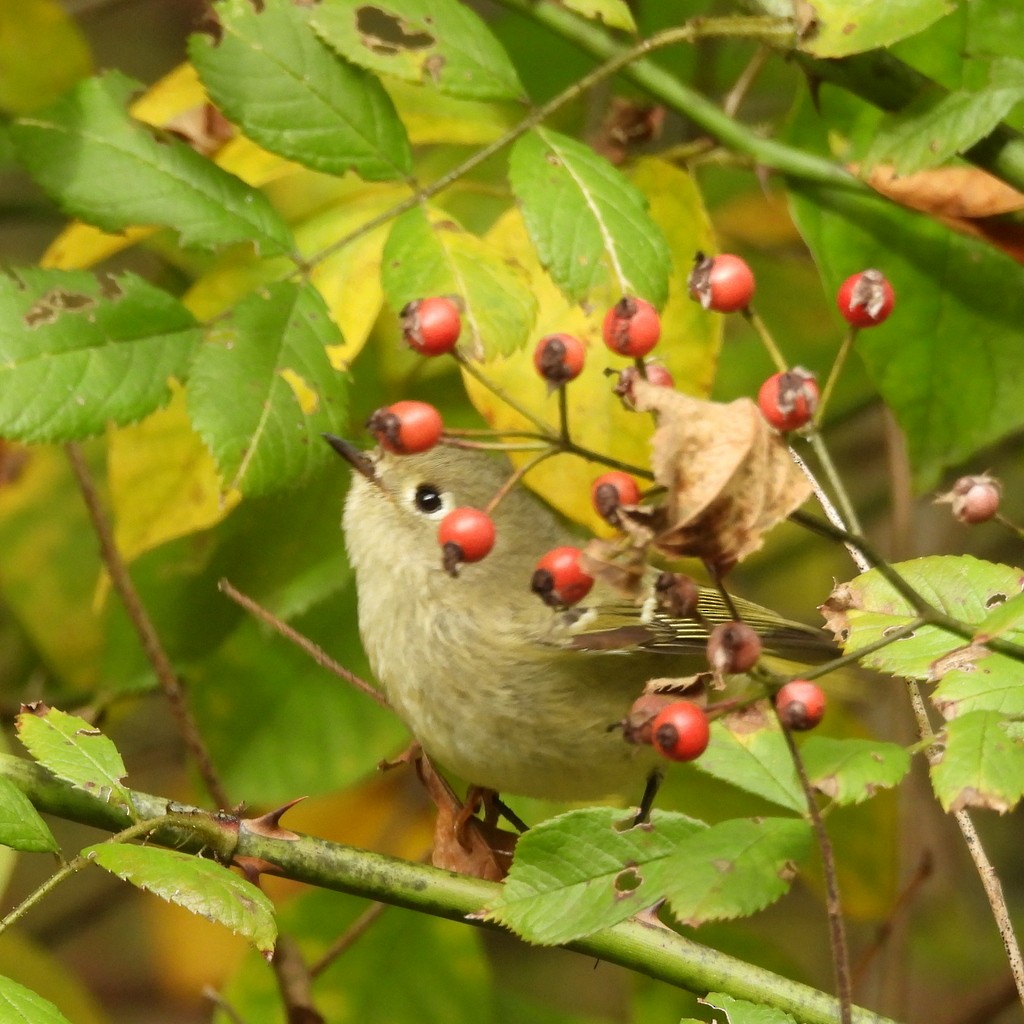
166	676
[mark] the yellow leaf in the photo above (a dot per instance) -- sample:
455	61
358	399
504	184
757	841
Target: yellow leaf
163	482
308	399
431	118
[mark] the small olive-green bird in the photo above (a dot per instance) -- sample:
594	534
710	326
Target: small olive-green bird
498	687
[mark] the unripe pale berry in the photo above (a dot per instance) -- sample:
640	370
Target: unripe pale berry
733	647
406	427
800	704
658	375
431	326
677	594
559	580
975	499
559	358
724	283
627	378
610	490
788	400
865	299
465	535
680	731
632	327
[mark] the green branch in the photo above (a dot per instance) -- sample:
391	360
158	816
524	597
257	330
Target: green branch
642	946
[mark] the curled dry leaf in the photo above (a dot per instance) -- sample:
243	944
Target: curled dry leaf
622	567
728	476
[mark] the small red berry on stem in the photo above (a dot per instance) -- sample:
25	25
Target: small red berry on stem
865	299
406	427
800	704
733	647
465	535
975	499
610	490
559	580
632	327
680	731
431	326
724	283
559	358
788	400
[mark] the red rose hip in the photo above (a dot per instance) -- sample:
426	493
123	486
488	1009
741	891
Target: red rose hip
406	427
465	535
559	580
724	283
680	731
865	299
800	704
632	327
788	400
559	358
431	326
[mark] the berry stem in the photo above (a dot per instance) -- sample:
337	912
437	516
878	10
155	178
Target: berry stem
469	367
563	415
516	476
761	329
846	509
833	374
1011	526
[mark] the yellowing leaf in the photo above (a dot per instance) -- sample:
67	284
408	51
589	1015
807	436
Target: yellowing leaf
163	482
431	117
307	398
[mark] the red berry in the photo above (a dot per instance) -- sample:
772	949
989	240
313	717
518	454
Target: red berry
800	704
865	299
406	427
680	731
610	490
559	358
465	535
632	327
723	283
733	647
975	499
559	579
788	400
658	375
655	373
431	326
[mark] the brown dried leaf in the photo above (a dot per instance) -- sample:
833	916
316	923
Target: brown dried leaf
621	567
961	193
728	476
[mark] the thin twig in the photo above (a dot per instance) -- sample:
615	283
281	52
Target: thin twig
317	653
355	931
167	678
761	328
833	375
736	95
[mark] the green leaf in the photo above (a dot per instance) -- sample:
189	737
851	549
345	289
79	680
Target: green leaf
200	886
78	352
750	751
842	27
734	868
273	76
587	222
614	13
262	389
20	1005
1007	617
112	171
579	872
852	770
21	827
432	255
740	1011
434	42
74	751
981	764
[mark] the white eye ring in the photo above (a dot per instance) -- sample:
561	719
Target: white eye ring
430	502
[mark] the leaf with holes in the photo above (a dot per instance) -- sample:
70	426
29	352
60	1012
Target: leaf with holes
78	352
200	886
74	751
429	254
588	223
262	389
20	1005
433	42
21	828
981	763
101	165
580	872
271	74
852	770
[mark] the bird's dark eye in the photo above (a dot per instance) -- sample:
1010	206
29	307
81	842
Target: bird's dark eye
428	499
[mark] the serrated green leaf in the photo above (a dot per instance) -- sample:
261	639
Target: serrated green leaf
271	74
587	222
434	42
750	751
262	388
1007	617
101	165
432	255
614	13
200	886
20	1005
843	27
852	770
579	873
21	827
981	764
78	352
734	868
74	751
741	1011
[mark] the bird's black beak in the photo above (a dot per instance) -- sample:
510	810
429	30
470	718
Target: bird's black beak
354	456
